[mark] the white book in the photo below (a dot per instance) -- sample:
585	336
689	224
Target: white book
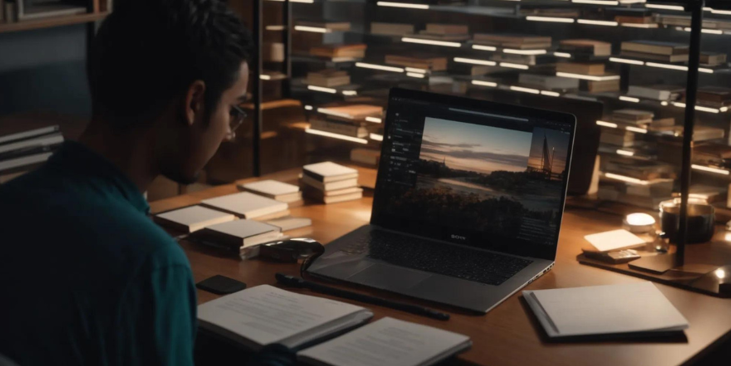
238	234
39	142
192	218
28	134
329	186
245	204
628	309
387	342
273	189
265	315
614	240
291	223
329	172
24	161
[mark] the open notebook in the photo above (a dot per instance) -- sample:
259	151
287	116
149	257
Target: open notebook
635	309
387	342
264	315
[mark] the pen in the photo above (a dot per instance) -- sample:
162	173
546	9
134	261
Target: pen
292	281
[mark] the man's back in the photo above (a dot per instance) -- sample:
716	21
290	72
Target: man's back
87	277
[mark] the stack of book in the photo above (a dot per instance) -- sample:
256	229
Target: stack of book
21	152
367	157
632	117
547	81
712	154
656	92
248	206
328	78
340	51
585	49
282	192
321	26
633	16
392	29
654	182
422	61
714	96
655	51
513	41
712	59
607	83
542	10
349	120
237	236
445	32
330	183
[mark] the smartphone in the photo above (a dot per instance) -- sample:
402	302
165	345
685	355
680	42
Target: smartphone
221	285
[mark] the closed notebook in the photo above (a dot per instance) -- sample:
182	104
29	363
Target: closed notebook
192	218
238	234
265	315
341	184
291	223
329	172
387	342
273	189
620	310
245	204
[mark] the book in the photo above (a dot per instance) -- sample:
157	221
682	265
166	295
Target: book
314	192
339	198
600	86
586	46
655	47
387	342
437	28
291	223
419	61
356	50
618	138
365	156
30	134
654	57
548	81
193	218
338	127
705	133
632	116
325	24
643	170
246	205
353	112
714	94
328	78
712	59
392	29
238	234
273	189
622	310
634	19
442	37
614	240
532	60
329	172
272	52
265	315
656	92
581	68
511	38
329	186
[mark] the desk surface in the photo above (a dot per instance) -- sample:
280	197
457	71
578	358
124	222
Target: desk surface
507	335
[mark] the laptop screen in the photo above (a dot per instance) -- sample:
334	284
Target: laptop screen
482	174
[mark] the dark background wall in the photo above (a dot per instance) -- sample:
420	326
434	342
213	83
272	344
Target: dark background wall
44	71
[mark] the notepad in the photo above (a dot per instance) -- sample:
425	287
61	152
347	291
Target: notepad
192	218
387	342
329	172
264	315
247	205
627	309
614	240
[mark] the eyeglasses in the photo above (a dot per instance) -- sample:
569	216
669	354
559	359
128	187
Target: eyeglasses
238	116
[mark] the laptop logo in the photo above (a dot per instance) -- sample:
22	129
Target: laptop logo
459	237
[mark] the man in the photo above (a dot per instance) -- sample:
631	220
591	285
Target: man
86	277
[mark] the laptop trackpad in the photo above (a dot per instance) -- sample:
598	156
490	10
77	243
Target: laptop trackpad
388	277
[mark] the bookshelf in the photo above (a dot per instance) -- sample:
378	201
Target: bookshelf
314	23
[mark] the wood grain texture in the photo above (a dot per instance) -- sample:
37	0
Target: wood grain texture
509	334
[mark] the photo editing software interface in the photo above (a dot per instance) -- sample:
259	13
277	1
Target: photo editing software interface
474	177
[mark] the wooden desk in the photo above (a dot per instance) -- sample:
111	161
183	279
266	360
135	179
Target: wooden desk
508	335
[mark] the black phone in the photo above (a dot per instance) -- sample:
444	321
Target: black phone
221	285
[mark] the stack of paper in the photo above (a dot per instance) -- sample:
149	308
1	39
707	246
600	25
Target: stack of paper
279	191
329	183
249	206
235	236
193	218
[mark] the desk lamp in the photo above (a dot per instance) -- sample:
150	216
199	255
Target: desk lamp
711	283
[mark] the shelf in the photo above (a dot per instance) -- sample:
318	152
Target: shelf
51	22
666	66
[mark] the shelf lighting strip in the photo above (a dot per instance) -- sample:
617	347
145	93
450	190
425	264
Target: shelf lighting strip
533	18
431	42
626	61
635	129
665	7
303	28
484	83
562	54
625	152
525	90
483	48
587	77
700	108
710	170
606	23
514	66
626	179
402	5
597	2
336	136
373	120
474	61
415	75
629	99
524	52
376	137
333	113
606	124
322	89
378	67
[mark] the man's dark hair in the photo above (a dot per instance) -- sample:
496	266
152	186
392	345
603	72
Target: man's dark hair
149	51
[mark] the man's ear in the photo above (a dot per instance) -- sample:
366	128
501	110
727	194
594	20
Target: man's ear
194	101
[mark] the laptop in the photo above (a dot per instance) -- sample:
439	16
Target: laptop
468	202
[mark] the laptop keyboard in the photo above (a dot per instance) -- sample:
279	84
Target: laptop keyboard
448	260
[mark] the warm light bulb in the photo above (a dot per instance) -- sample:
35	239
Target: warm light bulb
639	223
720	273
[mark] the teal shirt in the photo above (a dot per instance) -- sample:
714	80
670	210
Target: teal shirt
86	277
